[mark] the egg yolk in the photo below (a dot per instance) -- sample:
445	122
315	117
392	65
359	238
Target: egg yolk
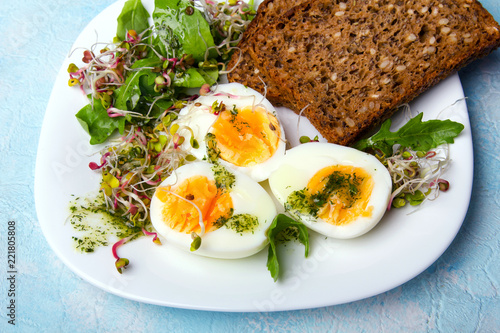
181	215
246	137
343	193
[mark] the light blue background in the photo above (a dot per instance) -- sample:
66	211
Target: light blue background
459	292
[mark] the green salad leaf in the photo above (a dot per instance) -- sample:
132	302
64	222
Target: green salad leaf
415	134
132	17
95	120
147	62
196	77
180	24
127	96
138	85
280	230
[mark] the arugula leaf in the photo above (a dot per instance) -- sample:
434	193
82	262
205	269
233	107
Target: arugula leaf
97	123
415	134
280	224
175	26
132	17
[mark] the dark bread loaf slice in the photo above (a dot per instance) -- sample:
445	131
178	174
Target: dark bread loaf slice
242	67
351	63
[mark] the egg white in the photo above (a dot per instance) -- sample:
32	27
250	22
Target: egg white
302	162
197	116
248	198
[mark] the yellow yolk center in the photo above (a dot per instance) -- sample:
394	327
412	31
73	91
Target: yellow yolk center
248	137
181	214
350	191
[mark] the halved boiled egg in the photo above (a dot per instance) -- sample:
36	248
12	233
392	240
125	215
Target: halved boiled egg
227	210
337	191
236	126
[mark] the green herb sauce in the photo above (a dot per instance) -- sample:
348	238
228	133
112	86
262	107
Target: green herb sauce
286	235
95	226
343	186
213	152
241	223
223	178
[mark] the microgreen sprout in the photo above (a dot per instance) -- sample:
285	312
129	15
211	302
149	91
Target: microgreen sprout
218	107
227	20
415	175
104	73
443	184
133	166
416	155
120	263
156	240
109	182
205	89
196	243
305	139
95	166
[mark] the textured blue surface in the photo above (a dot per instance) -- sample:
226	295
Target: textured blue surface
459	292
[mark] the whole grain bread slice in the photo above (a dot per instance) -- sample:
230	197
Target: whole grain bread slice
242	66
351	63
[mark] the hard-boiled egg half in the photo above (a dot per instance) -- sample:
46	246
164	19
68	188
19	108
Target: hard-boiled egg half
227	210
235	125
338	191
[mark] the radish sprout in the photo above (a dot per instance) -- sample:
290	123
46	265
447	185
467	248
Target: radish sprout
156	240
227	20
134	165
416	175
120	263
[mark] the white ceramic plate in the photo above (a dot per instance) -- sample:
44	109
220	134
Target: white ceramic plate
399	248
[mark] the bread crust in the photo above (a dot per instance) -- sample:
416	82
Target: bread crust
350	64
